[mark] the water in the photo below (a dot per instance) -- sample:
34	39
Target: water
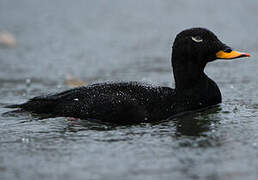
125	40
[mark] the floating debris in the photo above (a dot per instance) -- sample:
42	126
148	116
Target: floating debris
72	81
7	40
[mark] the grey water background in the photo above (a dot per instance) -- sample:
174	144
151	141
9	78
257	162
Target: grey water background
126	40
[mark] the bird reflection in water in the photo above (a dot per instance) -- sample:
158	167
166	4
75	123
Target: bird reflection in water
197	124
192	124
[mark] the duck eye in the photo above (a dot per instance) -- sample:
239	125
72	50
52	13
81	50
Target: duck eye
197	39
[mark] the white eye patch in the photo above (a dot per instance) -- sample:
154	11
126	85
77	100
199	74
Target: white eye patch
197	39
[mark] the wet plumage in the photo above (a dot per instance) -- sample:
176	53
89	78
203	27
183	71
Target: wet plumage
131	102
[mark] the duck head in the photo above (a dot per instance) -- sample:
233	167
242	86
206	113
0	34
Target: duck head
193	49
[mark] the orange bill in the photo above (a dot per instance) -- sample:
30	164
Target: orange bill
231	55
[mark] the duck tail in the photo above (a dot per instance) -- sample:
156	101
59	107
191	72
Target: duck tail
36	105
14	106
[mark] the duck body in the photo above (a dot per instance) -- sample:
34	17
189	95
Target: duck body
133	102
123	102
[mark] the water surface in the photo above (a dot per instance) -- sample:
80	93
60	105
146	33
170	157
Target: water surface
125	40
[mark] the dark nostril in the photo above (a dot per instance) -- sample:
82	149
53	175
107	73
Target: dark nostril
227	50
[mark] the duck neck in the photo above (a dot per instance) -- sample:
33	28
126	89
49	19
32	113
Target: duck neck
188	75
192	85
